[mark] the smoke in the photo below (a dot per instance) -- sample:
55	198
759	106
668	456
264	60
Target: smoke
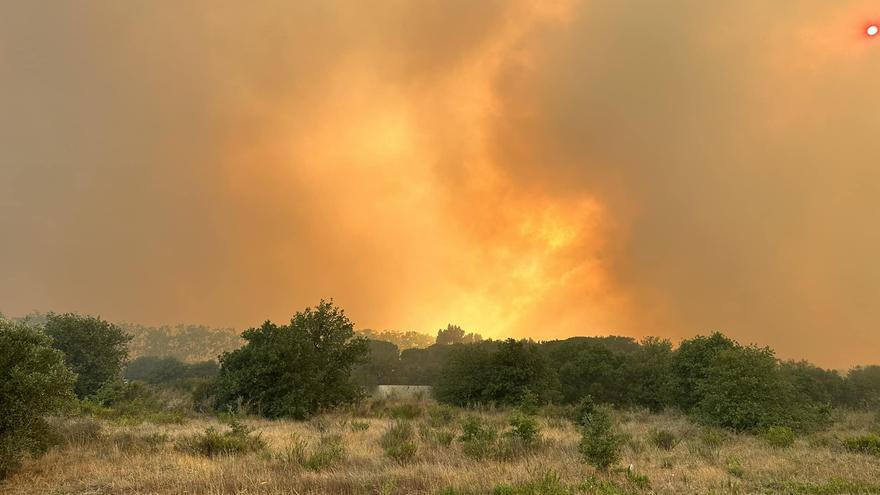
520	168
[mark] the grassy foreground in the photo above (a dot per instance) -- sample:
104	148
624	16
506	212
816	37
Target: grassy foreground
342	453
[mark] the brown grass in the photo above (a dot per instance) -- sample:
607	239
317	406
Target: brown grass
145	459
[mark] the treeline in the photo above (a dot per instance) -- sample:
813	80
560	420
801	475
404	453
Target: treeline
711	377
317	362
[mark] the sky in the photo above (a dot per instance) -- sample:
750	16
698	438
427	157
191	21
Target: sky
536	169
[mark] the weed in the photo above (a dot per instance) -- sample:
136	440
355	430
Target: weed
398	443
665	440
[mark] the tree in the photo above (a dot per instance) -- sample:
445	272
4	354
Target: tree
294	370
819	385
454	334
863	387
93	349
650	374
34	382
156	370
691	364
590	368
492	373
743	390
380	367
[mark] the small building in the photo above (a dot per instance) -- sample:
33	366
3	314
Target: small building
406	392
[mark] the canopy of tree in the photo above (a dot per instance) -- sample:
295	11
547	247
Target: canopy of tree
34	382
294	370
93	349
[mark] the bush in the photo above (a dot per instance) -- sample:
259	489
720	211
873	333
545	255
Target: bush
34	384
664	439
866	444
778	436
328	452
524	430
600	445
398	442
478	439
237	440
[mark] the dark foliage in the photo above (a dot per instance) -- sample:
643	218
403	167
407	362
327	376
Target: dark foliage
502	374
294	370
93	349
34	383
163	370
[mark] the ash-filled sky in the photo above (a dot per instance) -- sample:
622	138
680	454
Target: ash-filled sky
530	169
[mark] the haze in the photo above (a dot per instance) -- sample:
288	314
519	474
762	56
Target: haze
527	169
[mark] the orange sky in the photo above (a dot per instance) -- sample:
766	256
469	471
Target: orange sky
539	169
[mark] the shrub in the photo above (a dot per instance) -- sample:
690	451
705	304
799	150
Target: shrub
524	430
778	436
398	442
478	439
664	439
866	444
327	453
237	440
35	383
600	445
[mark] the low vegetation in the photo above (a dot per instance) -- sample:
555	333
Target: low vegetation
289	409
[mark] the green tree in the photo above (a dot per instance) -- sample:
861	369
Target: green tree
294	370
379	369
94	349
650	374
600	443
691	364
491	373
863	387
34	382
743	390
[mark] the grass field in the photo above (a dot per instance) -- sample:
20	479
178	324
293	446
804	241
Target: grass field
342	454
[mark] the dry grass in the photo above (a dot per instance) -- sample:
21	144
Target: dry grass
145	459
